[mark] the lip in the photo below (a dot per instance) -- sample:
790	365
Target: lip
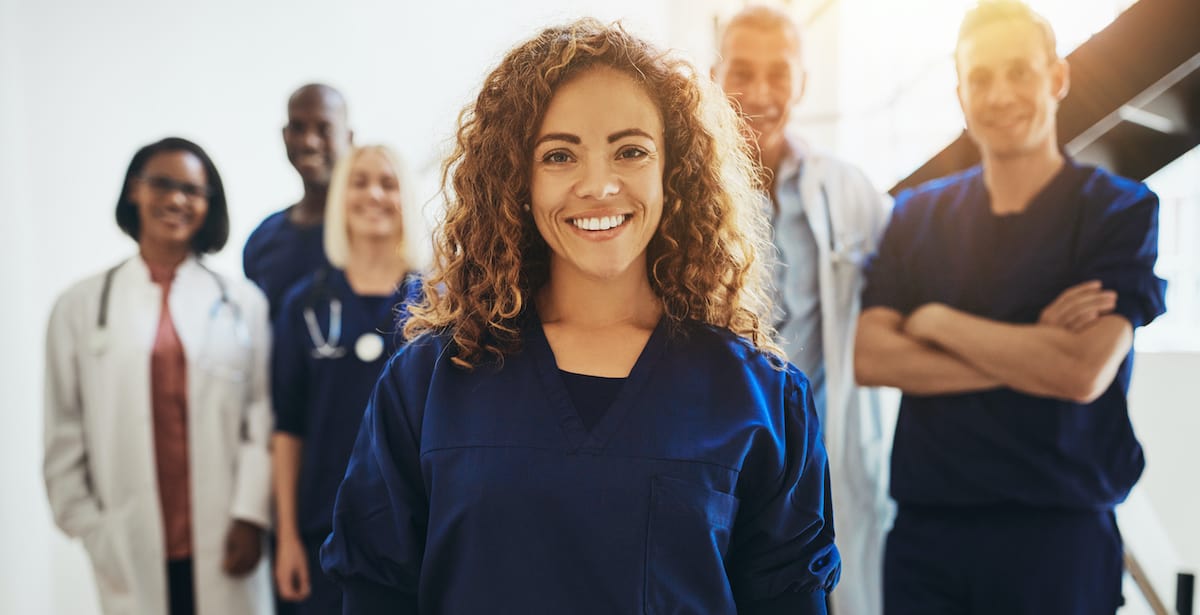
173	220
1003	123
765	116
309	159
599	235
374	213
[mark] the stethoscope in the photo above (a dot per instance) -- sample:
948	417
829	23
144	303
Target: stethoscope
839	252
368	347
101	336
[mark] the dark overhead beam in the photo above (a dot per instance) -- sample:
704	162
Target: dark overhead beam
1146	62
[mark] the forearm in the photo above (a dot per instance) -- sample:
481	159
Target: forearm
285	462
886	356
1035	359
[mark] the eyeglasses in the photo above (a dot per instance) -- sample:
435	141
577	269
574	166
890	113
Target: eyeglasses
166	185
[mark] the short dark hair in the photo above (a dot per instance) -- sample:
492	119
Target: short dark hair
214	232
987	12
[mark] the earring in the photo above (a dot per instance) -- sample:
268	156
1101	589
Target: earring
525	206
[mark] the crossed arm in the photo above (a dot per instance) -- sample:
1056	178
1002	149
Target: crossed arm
1072	352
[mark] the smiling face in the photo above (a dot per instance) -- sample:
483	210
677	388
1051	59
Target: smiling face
597	181
373	199
316	134
171	196
1009	88
760	68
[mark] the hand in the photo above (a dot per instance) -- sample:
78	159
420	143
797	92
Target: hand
291	569
1079	306
923	321
243	548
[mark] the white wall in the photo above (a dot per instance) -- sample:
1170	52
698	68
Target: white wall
1164	404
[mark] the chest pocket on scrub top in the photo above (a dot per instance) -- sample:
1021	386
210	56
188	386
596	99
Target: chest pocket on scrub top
686	542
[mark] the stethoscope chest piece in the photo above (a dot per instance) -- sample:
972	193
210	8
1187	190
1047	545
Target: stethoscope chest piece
368	347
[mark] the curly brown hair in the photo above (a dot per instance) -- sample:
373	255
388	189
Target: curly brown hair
705	262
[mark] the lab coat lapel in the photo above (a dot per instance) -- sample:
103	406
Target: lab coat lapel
189	305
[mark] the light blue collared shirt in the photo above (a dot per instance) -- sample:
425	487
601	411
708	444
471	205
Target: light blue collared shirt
797	292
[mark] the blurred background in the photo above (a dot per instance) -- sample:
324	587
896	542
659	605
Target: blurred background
84	84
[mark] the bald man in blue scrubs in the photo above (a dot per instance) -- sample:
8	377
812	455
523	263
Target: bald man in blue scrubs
1002	301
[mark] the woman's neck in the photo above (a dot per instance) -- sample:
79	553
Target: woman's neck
574	300
157	254
375	267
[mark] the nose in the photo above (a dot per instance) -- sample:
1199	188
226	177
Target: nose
178	197
757	93
313	139
1001	93
375	191
598	180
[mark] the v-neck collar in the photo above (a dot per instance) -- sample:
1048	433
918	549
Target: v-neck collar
559	400
1046	202
377	319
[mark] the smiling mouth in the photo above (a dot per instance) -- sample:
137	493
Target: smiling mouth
309	160
601	223
174	218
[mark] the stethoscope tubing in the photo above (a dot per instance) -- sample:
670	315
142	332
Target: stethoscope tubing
106	291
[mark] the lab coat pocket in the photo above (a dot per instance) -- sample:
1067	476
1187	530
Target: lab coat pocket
110	558
225	359
687	538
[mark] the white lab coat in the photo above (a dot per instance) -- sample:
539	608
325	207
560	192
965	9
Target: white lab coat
838	198
99	441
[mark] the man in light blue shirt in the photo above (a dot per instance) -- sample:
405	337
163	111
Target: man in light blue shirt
827	217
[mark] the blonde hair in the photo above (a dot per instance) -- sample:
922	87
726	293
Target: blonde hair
706	260
337	236
988	12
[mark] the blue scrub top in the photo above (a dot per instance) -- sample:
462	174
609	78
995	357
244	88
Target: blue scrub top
702	489
945	245
279	253
321	400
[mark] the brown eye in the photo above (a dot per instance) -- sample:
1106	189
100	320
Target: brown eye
632	153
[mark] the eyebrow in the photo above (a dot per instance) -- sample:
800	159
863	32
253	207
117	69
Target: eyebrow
628	132
574	139
559	136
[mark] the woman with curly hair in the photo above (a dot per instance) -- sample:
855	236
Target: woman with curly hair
590	416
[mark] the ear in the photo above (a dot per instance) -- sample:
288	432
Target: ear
283	134
801	86
1060	78
958	93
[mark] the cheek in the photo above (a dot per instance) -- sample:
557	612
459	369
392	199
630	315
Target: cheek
547	191
782	93
647	187
201	210
354	196
141	201
393	199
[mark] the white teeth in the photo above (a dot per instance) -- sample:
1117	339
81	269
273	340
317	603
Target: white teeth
598	224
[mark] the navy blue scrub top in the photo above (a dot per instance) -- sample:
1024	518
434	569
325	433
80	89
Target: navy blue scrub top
944	244
321	400
279	253
703	488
